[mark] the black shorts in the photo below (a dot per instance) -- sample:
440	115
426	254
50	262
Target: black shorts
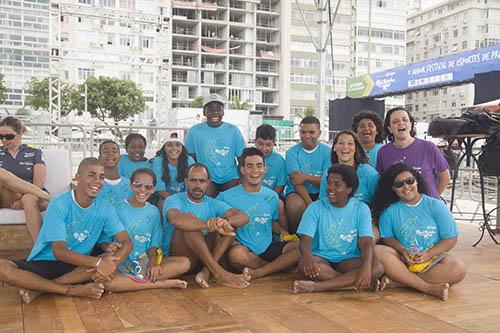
49	269
273	251
313	196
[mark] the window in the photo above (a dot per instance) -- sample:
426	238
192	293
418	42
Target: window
127	4
127	40
85	73
464	45
455	33
107	3
146	42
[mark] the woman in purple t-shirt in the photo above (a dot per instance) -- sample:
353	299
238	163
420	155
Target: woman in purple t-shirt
404	147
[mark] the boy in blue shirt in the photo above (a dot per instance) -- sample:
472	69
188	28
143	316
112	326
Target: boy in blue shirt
60	257
201	228
275	177
217	145
116	188
336	239
305	163
255	253
135	145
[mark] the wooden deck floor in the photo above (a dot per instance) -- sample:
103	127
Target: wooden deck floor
269	305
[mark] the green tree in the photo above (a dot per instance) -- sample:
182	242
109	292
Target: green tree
309	111
197	102
38	95
109	97
238	105
3	89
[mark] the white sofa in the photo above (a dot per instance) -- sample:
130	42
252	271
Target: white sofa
57	179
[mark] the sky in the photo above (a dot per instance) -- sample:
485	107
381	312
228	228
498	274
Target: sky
430	3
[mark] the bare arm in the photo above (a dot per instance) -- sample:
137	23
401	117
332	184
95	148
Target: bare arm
279	189
185	221
302	191
126	246
39	175
62	253
443	180
236	217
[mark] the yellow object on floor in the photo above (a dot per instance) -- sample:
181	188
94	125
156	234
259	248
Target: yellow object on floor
159	256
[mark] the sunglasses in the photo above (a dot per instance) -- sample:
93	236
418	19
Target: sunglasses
137	185
7	136
408	181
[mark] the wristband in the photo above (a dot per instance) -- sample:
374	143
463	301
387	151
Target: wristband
98	262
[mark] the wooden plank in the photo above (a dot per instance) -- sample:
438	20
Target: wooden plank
11	316
41	315
69	314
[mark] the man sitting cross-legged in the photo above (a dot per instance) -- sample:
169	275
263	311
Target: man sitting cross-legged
336	239
189	215
59	261
254	251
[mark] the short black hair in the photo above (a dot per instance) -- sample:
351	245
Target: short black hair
310	120
348	174
133	136
142	171
197	165
265	132
387	122
247	152
106	142
379	138
89	161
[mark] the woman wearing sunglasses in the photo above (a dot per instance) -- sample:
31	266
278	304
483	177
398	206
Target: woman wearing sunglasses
417	231
144	268
27	164
404	147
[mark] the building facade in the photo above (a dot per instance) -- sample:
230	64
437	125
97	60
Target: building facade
444	29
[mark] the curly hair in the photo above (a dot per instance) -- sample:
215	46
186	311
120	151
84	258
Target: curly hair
348	174
387	122
182	165
379	138
385	195
359	156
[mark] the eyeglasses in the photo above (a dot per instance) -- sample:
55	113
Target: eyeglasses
400	183
7	136
137	185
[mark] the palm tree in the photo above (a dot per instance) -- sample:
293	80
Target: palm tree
238	105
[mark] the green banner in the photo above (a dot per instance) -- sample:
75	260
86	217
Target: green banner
359	87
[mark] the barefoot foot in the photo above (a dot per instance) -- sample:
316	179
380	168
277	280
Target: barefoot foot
301	286
375	285
384	282
28	296
91	290
202	278
172	283
441	290
251	273
238	281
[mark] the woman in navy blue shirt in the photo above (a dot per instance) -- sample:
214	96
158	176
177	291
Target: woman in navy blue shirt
26	163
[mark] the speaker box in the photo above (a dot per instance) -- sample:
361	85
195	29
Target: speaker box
486	87
342	111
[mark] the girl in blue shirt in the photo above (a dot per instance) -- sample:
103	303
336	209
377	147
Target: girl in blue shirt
370	130
135	145
143	269
417	232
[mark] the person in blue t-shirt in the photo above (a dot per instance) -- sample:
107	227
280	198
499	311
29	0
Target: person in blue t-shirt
305	163
135	145
254	252
116	188
217	145
417	231
144	269
370	130
60	258
336	239
275	177
202	228
170	167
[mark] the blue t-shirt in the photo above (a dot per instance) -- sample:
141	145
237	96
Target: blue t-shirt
66	221
262	210
174	186
315	163
204	210
143	226
116	193
126	166
372	154
420	226
368	179
276	171
217	148
335	231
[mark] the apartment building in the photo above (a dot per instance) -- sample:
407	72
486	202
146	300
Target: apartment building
448	28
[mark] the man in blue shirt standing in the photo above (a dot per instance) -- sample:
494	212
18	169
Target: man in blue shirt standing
217	145
201	228
60	260
255	253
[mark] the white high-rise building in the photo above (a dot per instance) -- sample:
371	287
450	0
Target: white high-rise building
24	51
448	28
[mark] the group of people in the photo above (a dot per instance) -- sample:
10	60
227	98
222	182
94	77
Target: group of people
359	215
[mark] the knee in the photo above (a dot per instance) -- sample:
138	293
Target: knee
457	271
29	200
238	256
380	251
377	269
184	264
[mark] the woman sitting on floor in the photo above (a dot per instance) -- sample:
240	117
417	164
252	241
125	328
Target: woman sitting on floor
417	232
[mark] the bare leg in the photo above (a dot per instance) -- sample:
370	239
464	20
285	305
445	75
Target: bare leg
240	256
289	258
17	185
397	271
282	220
122	283
196	242
174	266
9	273
376	235
295	207
32	213
449	270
